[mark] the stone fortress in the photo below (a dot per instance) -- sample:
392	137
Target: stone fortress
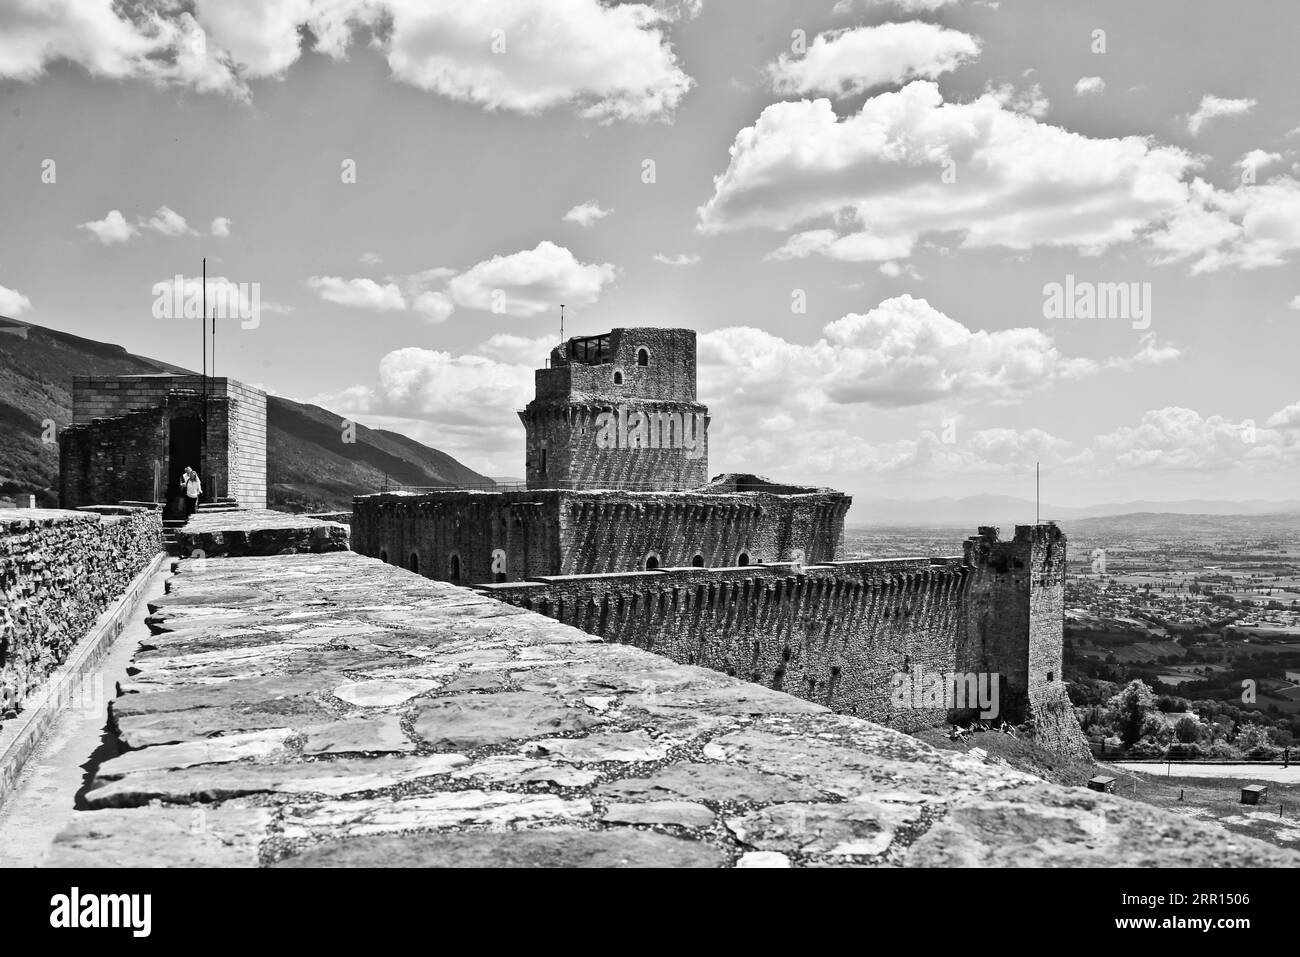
621	534
309	706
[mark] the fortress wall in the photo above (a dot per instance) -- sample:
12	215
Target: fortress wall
615	532
552	532
59	570
112	460
834	634
469	525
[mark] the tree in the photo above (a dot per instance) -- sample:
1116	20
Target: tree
1187	730
1130	708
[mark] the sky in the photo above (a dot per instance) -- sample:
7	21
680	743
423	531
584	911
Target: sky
925	244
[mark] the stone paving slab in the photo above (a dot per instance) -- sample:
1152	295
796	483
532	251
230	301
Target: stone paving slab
331	710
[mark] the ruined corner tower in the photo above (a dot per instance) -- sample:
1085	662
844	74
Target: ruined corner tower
618	410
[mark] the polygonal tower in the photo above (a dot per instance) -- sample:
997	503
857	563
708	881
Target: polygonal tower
618	410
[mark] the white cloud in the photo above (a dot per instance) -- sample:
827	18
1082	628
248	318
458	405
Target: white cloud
906	6
13	302
462	404
584	214
1176	438
371	259
681	259
872	184
434	306
1295	303
608	61
893	270
1249	227
1215	106
530	282
518	350
113	228
904	352
1255	160
847	62
1088	85
358	293
221	226
168	222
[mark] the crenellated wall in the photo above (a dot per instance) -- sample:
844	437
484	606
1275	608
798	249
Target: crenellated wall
513	536
59	570
836	634
868	638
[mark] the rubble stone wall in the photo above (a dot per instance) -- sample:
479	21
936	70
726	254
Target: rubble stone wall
59	570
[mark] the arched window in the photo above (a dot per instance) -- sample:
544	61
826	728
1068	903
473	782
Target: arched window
618	377
415	563
652	561
698	560
643	357
742	558
454	570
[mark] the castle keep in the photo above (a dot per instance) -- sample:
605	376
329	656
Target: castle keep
132	436
620	534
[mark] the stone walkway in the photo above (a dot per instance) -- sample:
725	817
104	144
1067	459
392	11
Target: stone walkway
331	710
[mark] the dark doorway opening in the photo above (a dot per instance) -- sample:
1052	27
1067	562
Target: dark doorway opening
184	447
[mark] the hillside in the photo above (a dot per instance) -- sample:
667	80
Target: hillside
308	468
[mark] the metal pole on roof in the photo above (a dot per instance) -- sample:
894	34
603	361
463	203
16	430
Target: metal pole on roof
561	323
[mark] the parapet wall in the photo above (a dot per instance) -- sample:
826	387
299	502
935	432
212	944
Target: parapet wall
59	570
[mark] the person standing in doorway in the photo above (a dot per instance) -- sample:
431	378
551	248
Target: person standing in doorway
193	489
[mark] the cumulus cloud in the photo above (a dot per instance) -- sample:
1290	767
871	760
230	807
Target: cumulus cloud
462	404
1255	160
358	293
1088	85
1176	438
221	226
584	214
904	352
847	62
1252	226
371	259
871	184
530	282
218	51
13	302
681	259
1213	107
608	61
527	283
113	228
905	6
168	222
1294	303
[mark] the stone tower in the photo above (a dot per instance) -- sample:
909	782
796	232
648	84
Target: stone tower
618	410
1016	613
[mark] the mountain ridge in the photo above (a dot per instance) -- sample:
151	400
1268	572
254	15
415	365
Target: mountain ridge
309	468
